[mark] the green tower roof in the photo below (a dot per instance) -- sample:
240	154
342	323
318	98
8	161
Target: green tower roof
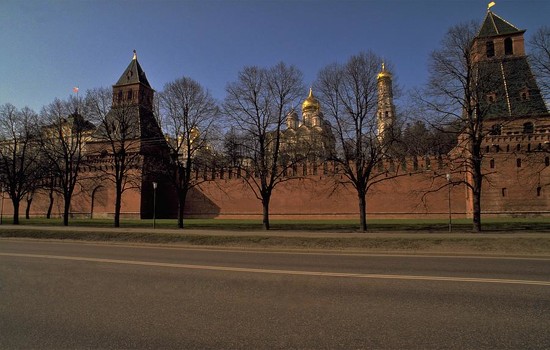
493	25
133	74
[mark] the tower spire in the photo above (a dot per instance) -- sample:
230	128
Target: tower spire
135	55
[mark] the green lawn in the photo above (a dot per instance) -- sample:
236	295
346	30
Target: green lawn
459	225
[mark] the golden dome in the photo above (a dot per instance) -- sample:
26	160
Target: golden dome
384	73
310	102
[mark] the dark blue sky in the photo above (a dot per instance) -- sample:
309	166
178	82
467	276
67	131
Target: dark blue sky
49	46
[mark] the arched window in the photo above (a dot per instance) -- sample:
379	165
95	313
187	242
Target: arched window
508	46
490	48
529	128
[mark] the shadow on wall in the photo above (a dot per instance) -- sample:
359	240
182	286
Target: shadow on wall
198	205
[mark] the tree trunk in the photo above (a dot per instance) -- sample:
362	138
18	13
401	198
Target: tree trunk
28	210
118	204
265	221
15	212
181	204
362	212
50	206
66	210
476	194
477	178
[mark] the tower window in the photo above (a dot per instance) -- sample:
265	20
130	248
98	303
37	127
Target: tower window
547	161
508	46
524	94
518	162
130	94
119	96
496	129
504	192
492	164
490	48
539	191
528	128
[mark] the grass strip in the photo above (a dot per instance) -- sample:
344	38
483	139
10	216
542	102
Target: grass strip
438	243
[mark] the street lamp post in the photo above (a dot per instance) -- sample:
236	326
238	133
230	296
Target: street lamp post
154	205
448	176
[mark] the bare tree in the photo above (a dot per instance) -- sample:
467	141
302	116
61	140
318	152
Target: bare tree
187	113
349	93
62	140
257	104
540	58
116	143
19	154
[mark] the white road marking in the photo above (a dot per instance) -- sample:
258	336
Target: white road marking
274	251
283	272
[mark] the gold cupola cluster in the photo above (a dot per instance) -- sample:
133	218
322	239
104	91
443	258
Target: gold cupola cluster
310	103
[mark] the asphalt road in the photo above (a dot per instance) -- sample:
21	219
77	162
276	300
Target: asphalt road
81	295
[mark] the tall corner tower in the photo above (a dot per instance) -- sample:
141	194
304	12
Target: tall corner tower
133	92
509	87
386	109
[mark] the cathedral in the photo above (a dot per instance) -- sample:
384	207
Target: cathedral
312	133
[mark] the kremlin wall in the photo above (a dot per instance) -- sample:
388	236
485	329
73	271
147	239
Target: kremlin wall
516	162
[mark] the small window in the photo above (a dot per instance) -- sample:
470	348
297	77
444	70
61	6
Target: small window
518	162
497	148
518	147
496	129
539	191
529	147
528	128
492	163
130	94
119	96
487	149
490	48
547	161
507	148
504	192
508	46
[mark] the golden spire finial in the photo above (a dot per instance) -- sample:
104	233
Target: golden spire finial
491	4
310	92
383	73
135	55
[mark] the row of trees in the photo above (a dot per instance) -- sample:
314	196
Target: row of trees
38	148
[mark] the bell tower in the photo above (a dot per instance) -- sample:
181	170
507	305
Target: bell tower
386	109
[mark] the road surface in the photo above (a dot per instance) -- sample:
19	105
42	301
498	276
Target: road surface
111	296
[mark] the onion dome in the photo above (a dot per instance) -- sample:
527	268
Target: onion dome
311	102
384	73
